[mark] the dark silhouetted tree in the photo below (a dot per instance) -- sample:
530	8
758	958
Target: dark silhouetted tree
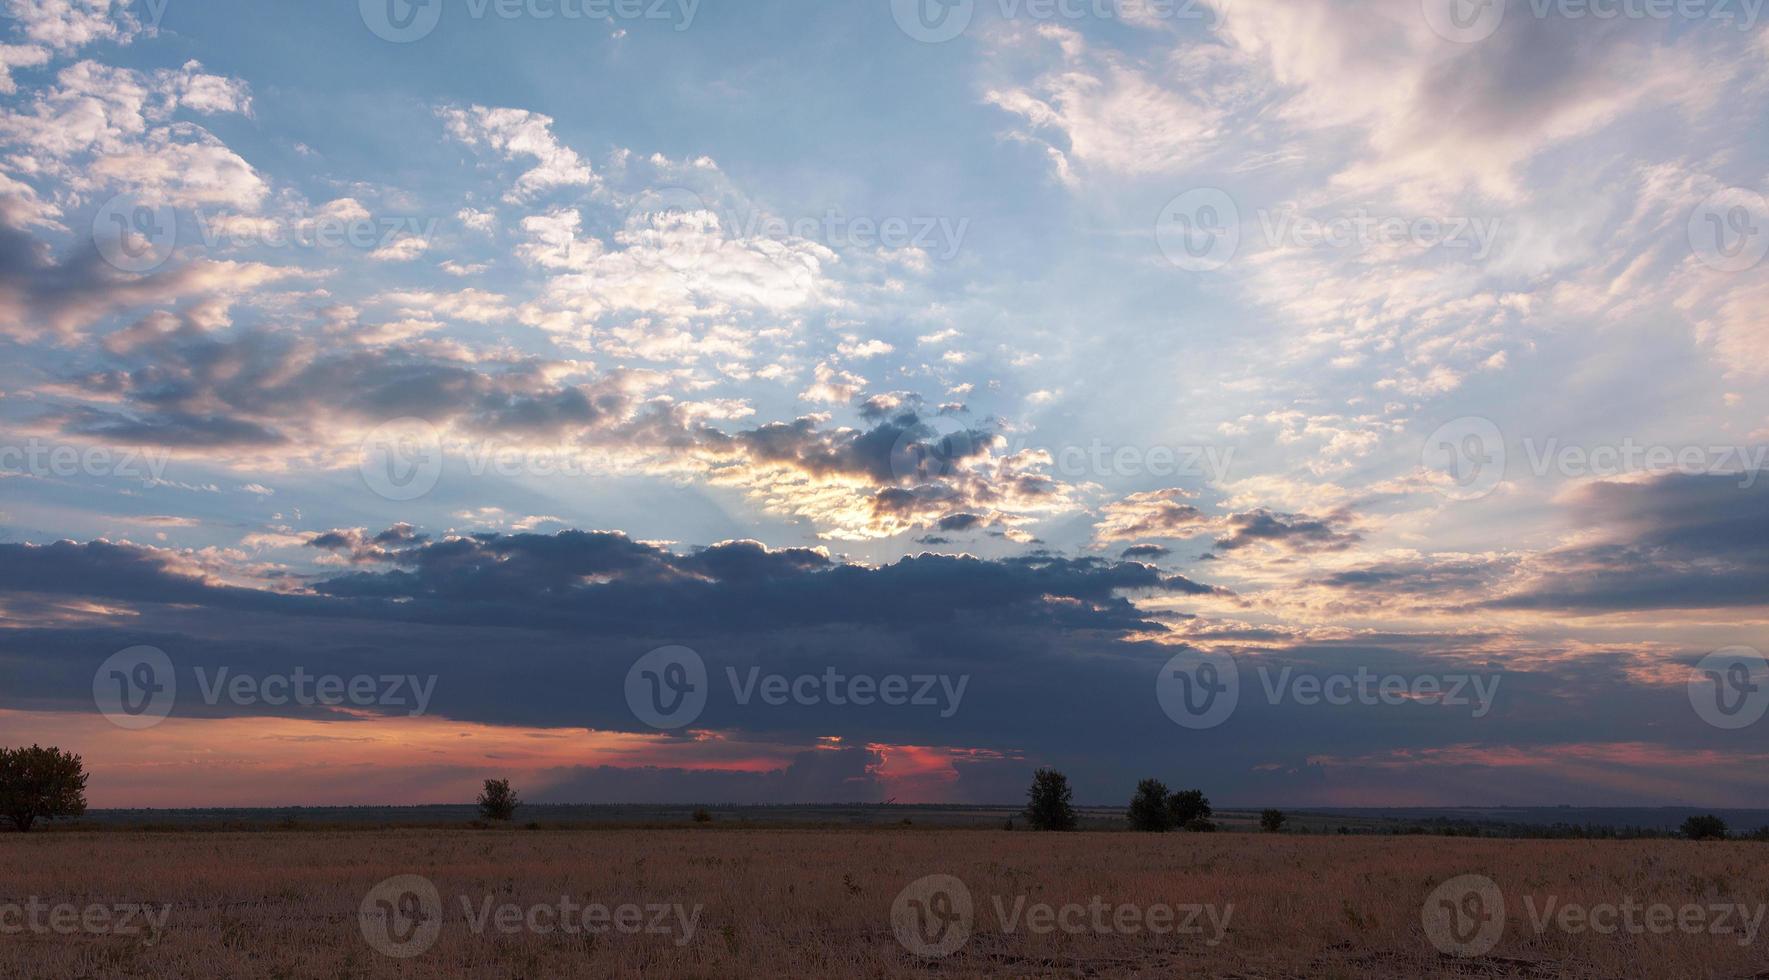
39	782
1708	827
1148	808
499	801
1048	804
1272	821
1190	809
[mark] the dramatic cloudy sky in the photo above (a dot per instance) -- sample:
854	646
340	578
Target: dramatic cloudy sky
1017	345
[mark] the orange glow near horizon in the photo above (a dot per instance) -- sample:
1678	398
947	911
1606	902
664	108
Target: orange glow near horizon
400	760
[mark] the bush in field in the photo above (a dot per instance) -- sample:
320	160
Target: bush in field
1189	806
1048	805
498	801
1707	827
1272	821
1148	808
40	782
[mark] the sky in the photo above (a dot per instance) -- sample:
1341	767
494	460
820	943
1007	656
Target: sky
1353	402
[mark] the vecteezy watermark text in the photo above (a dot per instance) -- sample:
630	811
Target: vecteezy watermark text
1468	458
1466	917
1201	230
938	21
1472	21
41	918
403	917
1199	690
39	458
934	916
404	21
136	688
668	688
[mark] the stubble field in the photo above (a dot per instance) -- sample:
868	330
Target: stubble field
724	902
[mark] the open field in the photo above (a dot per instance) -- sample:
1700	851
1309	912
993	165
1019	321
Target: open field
717	901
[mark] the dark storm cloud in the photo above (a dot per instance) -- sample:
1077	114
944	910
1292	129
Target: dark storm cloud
606	580
1681	541
960	522
183	387
1293	532
1425	576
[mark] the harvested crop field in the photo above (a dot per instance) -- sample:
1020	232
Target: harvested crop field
722	902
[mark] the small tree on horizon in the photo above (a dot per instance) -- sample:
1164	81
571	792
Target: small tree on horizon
1190	809
1272	821
1705	827
1048	802
40	782
1148	808
498	801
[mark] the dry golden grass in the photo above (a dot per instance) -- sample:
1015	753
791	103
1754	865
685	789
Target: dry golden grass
817	903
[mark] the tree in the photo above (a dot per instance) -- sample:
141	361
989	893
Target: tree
1707	827
40	782
1048	801
1190	809
499	801
1148	808
1272	821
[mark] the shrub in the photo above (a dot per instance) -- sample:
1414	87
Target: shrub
1706	827
1048	805
498	801
1148	808
1188	806
702	815
1272	821
40	782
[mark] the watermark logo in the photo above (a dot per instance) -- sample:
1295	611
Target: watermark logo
1478	692
1636	918
933	21
1729	231
401	21
932	916
41	918
402	916
44	459
1464	21
667	688
1607	460
1465	916
135	688
1209	463
402	460
409	691
404	21
1359	228
1472	21
1199	690
134	236
1200	230
1469	456
1730	688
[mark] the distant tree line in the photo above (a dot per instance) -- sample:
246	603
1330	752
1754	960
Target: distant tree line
1154	809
